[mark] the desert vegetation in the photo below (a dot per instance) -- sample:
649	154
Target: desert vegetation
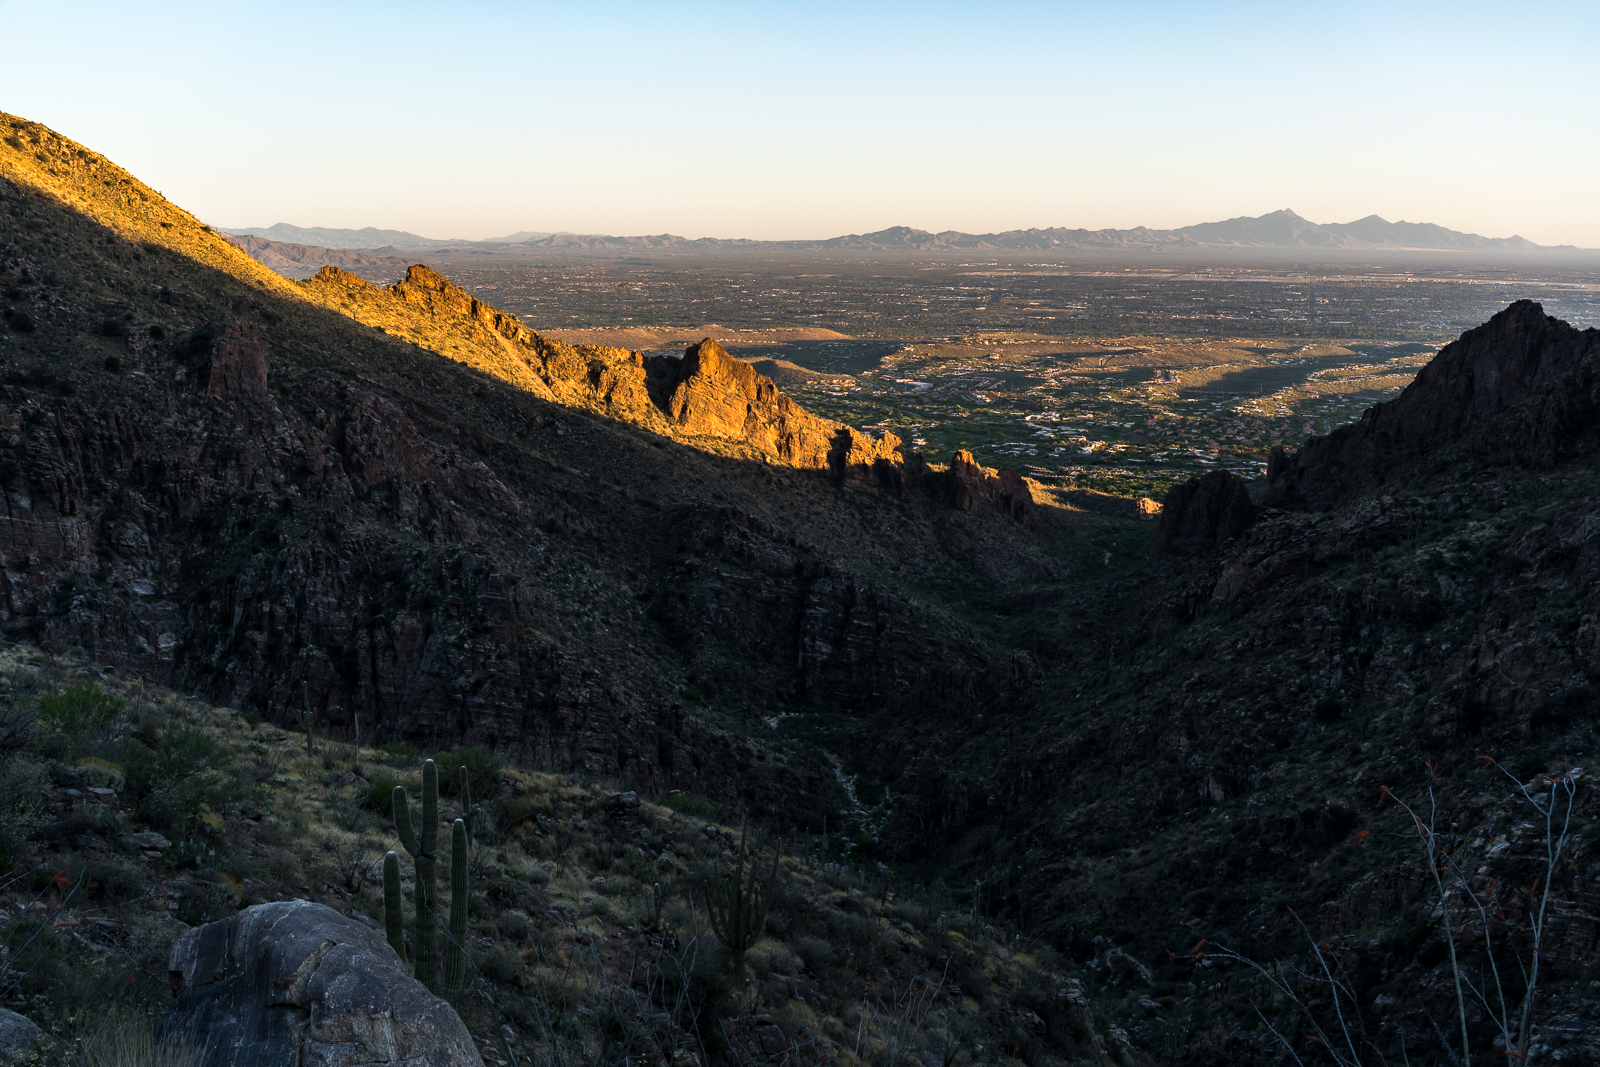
599	926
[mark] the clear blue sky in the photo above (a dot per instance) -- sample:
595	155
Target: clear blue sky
813	119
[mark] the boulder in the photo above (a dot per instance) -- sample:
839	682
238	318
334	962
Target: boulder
621	805
146	839
18	1034
297	983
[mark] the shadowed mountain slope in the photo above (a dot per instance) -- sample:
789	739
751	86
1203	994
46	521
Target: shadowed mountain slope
213	478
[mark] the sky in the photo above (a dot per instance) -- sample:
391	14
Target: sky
808	120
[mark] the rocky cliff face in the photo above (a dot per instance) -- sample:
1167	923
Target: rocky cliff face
708	398
982	490
1202	514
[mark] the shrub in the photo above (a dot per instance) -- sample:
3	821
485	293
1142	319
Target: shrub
180	755
378	794
113	364
815	954
20	783
113	328
403	751
115	879
482	768
501	964
161	811
79	709
157	333
19	320
691	804
206	902
179	781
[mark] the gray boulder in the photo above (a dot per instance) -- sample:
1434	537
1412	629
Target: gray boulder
298	983
18	1034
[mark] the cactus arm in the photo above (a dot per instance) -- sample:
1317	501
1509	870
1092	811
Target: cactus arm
430	809
402	820
455	949
393	923
764	900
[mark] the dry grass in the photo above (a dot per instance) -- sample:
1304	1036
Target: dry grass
566	942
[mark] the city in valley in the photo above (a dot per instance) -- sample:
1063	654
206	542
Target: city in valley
1119	379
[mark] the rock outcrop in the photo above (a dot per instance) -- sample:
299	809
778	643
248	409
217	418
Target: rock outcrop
1203	513
425	288
980	490
706	396
298	983
1519	388
236	360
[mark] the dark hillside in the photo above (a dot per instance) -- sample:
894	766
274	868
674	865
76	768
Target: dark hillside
1208	746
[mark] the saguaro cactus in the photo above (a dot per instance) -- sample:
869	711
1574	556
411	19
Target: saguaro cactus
455	950
421	842
423	847
738	904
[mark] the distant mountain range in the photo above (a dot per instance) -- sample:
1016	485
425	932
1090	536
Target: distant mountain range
1278	230
368	237
300	260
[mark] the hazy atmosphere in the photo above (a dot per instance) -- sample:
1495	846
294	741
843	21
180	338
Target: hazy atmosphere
781	121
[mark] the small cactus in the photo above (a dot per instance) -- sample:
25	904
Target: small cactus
421	842
655	907
307	718
738	904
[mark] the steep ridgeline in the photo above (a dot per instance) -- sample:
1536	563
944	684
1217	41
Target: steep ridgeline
1522	388
240	485
708	398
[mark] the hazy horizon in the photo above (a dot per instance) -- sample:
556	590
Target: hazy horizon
230	228
803	123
